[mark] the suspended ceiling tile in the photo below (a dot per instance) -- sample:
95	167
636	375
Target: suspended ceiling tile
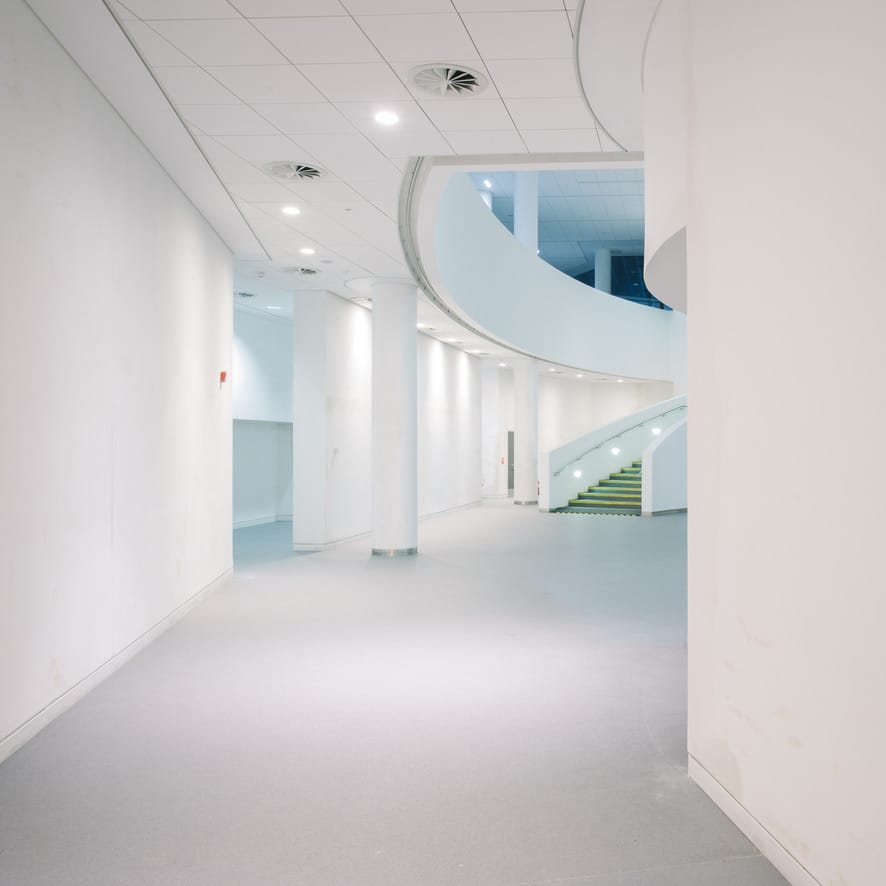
419	38
155	49
261	149
355	82
226	119
284	8
520	34
193	86
506	5
453	115
307	117
395	7
257	192
501	141
562	140
534	78
362	115
328	40
181	9
220	42
121	11
550	113
401	145
257	84
348	155
320	192
231	168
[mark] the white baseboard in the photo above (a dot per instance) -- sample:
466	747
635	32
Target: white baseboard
24	733
781	858
260	521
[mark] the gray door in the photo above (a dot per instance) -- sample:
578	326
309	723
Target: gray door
510	462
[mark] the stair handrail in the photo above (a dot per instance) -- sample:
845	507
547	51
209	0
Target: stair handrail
612	437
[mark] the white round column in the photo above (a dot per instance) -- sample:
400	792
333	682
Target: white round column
525	432
603	269
394	417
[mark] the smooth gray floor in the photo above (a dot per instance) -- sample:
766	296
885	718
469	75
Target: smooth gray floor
506	708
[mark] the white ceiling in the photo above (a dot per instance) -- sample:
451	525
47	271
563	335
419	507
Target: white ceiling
263	80
579	211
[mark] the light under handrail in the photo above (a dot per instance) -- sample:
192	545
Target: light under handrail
602	443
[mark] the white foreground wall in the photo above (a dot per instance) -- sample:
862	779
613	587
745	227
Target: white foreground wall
787	708
665	475
115	457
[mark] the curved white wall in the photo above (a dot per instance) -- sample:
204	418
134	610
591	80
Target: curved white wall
664	471
666	95
488	276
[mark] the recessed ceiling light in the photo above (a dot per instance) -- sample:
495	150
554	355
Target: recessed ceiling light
487	183
452	340
386	118
290	210
551	369
620	380
273	308
307	250
502	365
579	375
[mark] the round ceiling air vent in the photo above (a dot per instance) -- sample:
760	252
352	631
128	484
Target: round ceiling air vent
287	171
448	81
302	272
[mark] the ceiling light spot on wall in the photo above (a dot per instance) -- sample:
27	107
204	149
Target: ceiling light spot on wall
656	431
386	118
502	365
615	450
307	250
290	210
620	380
576	474
273	308
579	375
487	183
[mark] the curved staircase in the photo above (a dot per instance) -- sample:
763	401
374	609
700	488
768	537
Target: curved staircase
619	493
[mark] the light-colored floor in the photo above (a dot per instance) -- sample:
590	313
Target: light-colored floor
506	708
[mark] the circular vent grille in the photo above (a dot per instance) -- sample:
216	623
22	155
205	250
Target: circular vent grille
302	272
448	80
286	170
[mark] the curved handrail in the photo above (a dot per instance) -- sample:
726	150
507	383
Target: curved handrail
621	433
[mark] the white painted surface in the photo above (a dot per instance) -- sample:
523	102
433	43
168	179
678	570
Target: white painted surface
525	431
394	418
679	371
526	209
487	275
664	471
261	376
603	269
449	427
116	449
262	472
331	429
494	432
786	607
592	453
331	441
665	102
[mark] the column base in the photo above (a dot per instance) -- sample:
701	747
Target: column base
533	502
394	552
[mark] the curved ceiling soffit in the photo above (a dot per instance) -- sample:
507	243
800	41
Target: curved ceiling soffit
415	187
608	50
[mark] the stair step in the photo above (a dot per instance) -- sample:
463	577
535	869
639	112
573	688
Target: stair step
613	512
637	464
624	494
624	476
621	484
603	503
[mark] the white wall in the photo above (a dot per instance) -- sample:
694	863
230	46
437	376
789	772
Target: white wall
261	387
261	375
115	457
448	427
332	422
262	472
665	471
787	709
